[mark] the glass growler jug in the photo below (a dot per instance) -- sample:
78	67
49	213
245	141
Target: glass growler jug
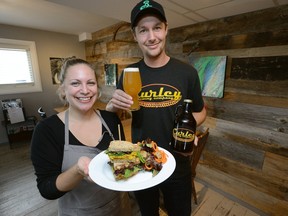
184	129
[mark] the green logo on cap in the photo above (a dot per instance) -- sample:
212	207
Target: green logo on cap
146	4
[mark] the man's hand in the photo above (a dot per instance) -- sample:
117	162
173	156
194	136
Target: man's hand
120	100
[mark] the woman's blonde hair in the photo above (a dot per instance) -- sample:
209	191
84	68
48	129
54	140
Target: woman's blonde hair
68	62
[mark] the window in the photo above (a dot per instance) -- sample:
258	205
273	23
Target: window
19	70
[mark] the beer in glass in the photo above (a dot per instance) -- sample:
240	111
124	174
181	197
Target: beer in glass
132	85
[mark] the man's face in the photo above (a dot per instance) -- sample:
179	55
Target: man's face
150	33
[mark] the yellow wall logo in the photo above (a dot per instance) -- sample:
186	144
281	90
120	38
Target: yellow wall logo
159	95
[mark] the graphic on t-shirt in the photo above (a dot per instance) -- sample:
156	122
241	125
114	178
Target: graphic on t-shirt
159	95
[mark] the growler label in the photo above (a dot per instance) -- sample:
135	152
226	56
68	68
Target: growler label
183	135
183	140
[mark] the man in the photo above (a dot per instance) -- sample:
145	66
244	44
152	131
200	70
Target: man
166	82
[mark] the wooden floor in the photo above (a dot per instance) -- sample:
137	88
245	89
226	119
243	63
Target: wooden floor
19	195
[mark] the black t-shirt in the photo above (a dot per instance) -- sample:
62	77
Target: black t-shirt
163	89
47	148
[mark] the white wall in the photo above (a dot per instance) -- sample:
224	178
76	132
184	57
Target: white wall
48	44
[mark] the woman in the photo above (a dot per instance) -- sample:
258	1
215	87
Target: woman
63	145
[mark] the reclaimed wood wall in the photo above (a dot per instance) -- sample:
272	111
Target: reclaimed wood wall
247	150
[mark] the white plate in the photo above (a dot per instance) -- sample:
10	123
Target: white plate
101	173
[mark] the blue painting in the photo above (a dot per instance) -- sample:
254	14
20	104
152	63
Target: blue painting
211	71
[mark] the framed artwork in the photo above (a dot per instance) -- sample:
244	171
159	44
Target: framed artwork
111	74
55	64
211	72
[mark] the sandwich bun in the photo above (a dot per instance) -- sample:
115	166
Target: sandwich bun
123	146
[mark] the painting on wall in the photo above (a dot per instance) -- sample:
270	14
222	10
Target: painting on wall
211	71
111	74
55	64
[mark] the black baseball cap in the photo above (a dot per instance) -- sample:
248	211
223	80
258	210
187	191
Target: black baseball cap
146	7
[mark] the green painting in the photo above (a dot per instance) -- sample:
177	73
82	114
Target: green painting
211	71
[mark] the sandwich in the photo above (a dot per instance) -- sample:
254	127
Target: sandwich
124	159
127	159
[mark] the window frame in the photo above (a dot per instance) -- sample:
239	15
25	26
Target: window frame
35	86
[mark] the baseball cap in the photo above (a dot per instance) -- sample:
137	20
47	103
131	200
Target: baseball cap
146	7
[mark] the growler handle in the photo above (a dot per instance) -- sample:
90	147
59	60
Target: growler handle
178	111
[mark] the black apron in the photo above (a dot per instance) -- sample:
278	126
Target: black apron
89	198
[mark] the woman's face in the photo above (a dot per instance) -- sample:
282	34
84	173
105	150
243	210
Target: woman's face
150	33
80	87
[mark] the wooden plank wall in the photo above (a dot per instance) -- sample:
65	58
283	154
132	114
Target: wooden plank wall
247	150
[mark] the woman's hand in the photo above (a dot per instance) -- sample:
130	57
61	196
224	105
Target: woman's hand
83	167
71	178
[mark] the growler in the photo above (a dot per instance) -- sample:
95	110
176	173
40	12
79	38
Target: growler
184	129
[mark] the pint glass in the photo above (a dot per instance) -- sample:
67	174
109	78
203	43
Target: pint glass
132	85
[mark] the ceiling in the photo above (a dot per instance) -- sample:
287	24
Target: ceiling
87	16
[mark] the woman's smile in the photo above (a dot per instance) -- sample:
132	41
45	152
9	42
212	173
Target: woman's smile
84	99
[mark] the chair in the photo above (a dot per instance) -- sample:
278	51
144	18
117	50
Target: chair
18	126
197	151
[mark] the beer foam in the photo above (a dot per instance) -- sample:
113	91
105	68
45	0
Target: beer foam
131	69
